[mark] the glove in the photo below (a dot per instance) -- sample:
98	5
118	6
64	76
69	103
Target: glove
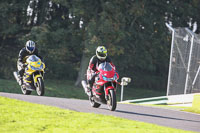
97	72
23	65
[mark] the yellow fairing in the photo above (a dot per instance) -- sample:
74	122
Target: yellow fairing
36	77
26	77
33	64
29	70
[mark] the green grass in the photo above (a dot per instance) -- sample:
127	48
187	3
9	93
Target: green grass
64	88
23	117
52	88
195	105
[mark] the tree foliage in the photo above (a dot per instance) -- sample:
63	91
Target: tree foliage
67	33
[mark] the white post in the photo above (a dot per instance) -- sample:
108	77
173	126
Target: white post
122	91
170	63
189	61
124	82
196	76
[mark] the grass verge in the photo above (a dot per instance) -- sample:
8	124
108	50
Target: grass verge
52	88
195	105
19	116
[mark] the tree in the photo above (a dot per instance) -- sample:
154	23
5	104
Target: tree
12	19
67	33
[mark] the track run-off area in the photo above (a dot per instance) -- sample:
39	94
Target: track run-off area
159	116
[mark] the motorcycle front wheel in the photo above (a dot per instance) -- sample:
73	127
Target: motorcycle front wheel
40	87
112	101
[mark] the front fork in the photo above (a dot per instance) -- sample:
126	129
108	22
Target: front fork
36	76
106	90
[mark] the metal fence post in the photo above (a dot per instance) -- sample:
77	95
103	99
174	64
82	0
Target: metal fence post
170	64
189	61
195	78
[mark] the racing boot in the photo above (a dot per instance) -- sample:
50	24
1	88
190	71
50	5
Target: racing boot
89	90
20	80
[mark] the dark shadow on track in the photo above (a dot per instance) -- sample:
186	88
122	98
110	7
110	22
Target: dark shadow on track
127	112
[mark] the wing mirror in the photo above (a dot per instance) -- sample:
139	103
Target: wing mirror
125	81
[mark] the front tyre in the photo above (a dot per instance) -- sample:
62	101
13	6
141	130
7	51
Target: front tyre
40	87
112	102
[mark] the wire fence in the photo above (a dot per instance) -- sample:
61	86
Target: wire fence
184	68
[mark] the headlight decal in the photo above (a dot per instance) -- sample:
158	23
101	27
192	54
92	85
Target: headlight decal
37	68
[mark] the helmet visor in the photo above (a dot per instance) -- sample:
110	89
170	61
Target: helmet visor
101	54
30	49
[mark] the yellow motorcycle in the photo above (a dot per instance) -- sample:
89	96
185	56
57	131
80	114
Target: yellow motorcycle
33	76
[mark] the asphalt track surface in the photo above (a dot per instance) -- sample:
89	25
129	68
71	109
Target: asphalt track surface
154	115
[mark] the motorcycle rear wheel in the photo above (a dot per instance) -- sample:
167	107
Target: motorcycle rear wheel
93	103
40	87
112	101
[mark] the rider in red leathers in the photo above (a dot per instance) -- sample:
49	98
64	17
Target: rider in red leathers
100	57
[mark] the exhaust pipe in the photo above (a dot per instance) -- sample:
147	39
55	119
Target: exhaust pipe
16	76
84	84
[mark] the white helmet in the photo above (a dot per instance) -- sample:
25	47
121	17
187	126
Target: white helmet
101	52
30	46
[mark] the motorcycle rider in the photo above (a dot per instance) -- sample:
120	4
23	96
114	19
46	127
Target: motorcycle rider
100	57
29	49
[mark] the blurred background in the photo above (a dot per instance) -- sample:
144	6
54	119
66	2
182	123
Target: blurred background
67	33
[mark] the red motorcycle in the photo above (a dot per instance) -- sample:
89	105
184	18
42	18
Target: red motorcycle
104	87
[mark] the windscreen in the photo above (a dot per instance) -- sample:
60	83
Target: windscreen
105	66
33	58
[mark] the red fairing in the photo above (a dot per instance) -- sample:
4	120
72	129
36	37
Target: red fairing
106	73
101	82
109	74
94	91
109	88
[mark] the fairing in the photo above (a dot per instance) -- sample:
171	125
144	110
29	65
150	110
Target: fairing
106	74
34	64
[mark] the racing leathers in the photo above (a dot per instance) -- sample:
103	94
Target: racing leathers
92	68
21	61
